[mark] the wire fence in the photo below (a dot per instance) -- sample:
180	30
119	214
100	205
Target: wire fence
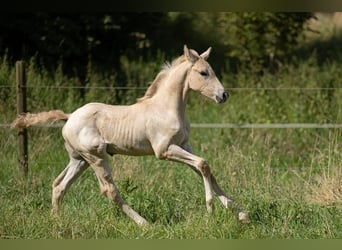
234	125
144	88
267	126
209	125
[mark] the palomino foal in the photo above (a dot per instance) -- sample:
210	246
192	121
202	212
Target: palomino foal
154	125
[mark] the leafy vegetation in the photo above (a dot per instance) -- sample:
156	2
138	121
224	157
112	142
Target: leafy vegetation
287	180
259	39
255	40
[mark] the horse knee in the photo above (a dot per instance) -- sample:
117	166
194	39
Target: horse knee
161	155
111	192
204	168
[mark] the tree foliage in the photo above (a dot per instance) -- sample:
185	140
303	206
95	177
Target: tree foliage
79	40
261	39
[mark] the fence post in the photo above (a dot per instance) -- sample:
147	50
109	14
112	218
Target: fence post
21	108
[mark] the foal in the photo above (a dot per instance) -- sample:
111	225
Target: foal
155	125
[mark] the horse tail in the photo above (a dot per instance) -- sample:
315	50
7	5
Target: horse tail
26	120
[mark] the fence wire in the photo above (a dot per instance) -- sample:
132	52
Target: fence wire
210	125
144	88
234	125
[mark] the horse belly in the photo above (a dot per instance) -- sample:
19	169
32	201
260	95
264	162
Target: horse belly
128	140
139	149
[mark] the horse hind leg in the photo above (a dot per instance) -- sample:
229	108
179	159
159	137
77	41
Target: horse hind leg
100	165
61	184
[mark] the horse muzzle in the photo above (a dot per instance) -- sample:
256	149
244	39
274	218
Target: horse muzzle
223	98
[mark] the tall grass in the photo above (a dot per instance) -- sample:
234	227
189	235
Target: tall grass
282	196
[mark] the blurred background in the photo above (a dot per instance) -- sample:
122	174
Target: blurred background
257	40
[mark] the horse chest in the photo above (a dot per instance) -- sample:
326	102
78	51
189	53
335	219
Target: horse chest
179	132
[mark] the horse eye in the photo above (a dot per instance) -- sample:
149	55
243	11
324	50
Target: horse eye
204	73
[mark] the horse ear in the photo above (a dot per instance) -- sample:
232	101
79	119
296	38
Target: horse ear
190	54
206	54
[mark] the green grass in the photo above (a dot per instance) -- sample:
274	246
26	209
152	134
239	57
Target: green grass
271	185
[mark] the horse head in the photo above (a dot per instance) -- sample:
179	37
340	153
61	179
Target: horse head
202	78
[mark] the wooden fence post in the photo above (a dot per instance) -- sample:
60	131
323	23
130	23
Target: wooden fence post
21	108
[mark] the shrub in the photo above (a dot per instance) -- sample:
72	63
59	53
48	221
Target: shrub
259	40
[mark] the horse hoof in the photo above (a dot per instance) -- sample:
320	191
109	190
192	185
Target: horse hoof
243	217
144	224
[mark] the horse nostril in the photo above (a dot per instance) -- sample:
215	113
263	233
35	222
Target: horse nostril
225	96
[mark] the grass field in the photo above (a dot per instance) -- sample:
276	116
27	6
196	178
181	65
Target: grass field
286	195
287	180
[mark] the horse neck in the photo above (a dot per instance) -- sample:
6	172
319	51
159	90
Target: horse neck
173	92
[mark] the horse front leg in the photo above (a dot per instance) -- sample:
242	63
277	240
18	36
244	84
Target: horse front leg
178	154
199	165
228	203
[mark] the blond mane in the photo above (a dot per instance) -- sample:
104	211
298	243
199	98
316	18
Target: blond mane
152	89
